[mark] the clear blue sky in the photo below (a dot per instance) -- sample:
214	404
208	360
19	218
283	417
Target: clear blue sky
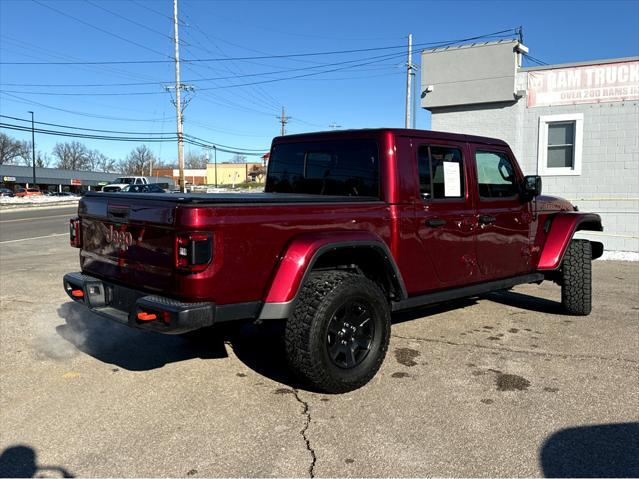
356	97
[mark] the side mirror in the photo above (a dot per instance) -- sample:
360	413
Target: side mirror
532	185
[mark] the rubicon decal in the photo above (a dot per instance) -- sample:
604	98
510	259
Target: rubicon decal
120	239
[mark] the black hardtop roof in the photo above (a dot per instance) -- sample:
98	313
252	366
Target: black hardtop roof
375	132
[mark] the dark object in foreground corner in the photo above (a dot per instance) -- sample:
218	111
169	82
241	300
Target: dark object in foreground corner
21	461
608	450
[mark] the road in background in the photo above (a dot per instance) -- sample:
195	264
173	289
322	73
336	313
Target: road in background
34	223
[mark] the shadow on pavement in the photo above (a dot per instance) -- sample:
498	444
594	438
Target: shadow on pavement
412	314
126	347
259	347
525	301
607	450
21	461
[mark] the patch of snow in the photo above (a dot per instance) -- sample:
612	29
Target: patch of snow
36	200
620	256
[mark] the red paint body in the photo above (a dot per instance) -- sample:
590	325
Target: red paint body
262	248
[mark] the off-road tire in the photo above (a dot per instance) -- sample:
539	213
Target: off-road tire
306	331
576	278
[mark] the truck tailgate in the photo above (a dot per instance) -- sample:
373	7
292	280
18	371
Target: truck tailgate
128	240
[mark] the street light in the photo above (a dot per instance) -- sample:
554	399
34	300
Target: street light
33	148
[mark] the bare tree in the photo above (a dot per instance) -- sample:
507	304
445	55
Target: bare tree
100	162
43	160
72	156
194	160
137	162
10	149
237	158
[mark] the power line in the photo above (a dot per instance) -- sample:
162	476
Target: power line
142	25
80	128
235	85
260	57
535	60
132	42
170	138
140	4
202	79
19	99
266	99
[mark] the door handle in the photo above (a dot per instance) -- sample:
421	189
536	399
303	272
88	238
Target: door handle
435	223
487	219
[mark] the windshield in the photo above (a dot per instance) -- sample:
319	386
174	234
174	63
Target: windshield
128	181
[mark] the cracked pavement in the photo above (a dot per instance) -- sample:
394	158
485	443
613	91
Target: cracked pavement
500	386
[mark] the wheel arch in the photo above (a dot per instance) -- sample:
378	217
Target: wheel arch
363	252
562	228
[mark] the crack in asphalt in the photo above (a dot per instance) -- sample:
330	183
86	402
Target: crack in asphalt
306	412
522	351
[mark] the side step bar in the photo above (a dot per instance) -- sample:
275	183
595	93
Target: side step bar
465	292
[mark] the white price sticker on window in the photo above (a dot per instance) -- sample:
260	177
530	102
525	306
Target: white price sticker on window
452	184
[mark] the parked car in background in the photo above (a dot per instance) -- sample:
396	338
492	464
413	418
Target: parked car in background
6	192
21	192
152	188
120	183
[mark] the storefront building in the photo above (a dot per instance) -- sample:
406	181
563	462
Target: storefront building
576	125
55	180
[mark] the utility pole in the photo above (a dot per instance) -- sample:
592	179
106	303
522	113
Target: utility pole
178	105
414	118
284	120
33	147
334	126
215	156
409	71
208	157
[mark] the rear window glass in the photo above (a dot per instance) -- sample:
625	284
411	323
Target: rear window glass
344	167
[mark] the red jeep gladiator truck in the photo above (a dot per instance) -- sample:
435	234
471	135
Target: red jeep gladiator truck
352	226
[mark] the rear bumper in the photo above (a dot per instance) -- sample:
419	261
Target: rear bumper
150	312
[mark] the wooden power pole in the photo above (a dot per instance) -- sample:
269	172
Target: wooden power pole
178	104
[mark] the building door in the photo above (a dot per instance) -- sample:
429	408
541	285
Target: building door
504	220
446	216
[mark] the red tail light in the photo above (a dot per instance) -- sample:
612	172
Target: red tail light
193	251
74	233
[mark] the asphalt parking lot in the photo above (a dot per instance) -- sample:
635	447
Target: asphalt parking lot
499	386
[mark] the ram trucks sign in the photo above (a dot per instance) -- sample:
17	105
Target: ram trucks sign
584	84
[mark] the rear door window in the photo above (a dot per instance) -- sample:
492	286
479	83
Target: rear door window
338	167
441	172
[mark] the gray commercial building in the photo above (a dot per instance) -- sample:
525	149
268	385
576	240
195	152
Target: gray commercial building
576	125
53	179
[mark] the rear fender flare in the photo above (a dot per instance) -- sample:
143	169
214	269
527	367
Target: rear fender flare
561	232
301	255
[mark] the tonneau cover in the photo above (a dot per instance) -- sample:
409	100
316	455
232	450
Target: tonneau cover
232	198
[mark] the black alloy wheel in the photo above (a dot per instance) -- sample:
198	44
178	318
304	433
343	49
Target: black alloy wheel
350	334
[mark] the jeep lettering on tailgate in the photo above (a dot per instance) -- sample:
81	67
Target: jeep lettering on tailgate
120	239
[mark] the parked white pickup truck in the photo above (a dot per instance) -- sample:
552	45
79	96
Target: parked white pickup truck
119	183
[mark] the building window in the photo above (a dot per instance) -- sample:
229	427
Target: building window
560	144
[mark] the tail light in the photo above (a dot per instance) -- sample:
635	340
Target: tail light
74	233
193	251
